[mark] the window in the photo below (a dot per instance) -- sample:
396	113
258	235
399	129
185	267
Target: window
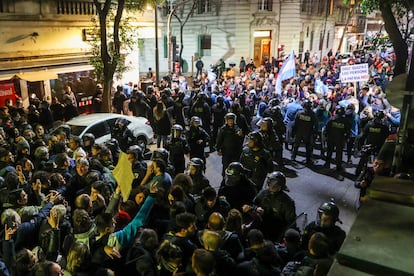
306	6
311	41
203	6
204	45
264	5
99	129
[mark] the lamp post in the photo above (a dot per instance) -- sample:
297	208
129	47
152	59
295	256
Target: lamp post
157	60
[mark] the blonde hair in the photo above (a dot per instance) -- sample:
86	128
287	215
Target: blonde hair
78	257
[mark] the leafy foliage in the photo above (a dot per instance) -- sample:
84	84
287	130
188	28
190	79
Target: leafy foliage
127	36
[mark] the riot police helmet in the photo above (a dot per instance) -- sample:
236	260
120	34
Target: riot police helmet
339	110
230	116
198	163
267	121
329	209
379	115
307	105
88	137
201	96
121	122
176	130
257	138
160	153
195	120
235	169
136	151
274	102
277	178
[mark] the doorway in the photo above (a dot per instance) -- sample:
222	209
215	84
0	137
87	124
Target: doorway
262	47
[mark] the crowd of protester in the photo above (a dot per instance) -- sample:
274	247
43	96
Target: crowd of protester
62	209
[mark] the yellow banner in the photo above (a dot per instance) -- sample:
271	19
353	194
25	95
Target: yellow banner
123	175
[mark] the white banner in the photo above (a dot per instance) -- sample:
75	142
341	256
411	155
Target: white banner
354	73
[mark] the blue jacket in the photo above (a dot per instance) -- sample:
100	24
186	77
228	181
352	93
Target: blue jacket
126	236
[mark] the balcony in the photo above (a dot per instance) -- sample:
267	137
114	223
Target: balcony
47	8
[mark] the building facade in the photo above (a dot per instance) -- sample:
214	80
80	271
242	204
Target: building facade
44	44
253	29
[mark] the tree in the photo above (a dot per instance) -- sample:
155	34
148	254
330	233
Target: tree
182	24
396	16
109	55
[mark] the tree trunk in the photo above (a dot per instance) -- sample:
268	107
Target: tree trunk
400	46
350	14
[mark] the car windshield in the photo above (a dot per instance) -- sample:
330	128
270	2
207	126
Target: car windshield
76	130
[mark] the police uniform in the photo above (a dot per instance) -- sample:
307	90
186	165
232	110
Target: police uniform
230	144
259	163
337	130
193	136
374	133
273	144
218	111
178	147
279	213
335	235
305	125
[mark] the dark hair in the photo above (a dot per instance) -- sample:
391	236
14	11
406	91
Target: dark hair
319	243
267	254
176	208
76	139
81	221
59	147
43	176
209	193
11	181
137	190
60	159
149	239
95	164
103	221
83	201
129	206
169	252
184	220
23	263
178	193
43	269
204	261
56	181
255	236
184	180
91	177
234	222
160	164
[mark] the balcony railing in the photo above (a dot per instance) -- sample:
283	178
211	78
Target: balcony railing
75	7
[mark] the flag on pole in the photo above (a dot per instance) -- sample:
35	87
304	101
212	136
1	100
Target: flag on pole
287	71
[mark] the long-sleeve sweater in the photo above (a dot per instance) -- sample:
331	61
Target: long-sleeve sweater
126	236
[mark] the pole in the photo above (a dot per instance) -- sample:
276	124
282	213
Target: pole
157	58
170	49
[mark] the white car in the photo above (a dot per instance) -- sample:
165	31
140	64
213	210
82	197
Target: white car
101	125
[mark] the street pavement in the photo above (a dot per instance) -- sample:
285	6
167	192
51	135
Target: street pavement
309	188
